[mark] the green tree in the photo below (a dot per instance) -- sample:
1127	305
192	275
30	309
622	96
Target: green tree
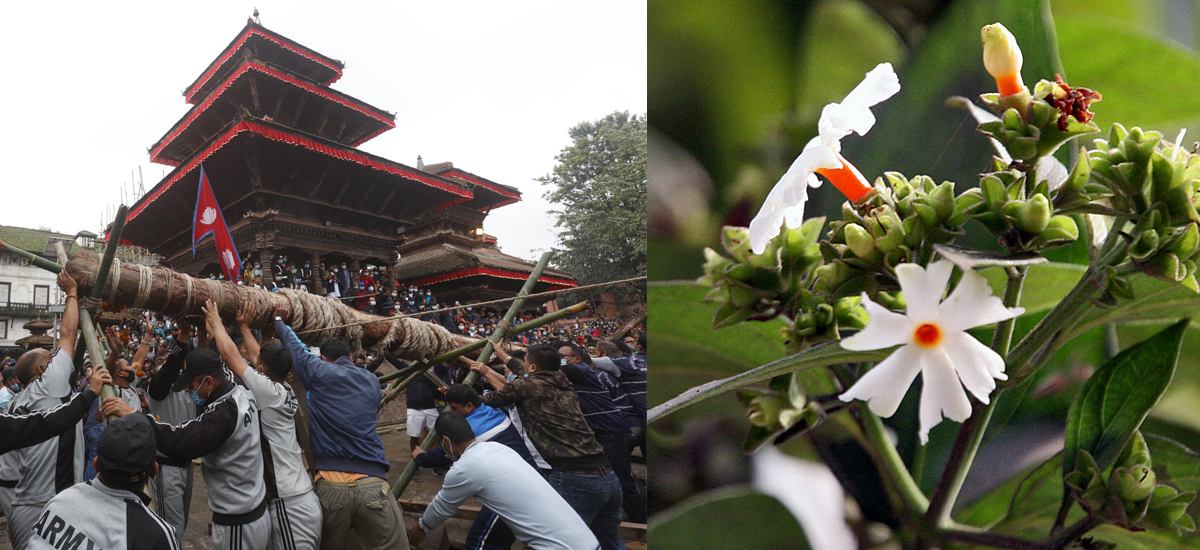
599	184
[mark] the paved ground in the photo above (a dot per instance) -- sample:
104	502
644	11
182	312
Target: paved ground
423	487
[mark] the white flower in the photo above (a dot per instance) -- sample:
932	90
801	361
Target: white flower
810	492
823	155
936	344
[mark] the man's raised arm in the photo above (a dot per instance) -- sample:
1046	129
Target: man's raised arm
68	329
304	364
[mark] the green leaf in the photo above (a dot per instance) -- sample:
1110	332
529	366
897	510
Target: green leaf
727	518
829	353
1115	401
687	349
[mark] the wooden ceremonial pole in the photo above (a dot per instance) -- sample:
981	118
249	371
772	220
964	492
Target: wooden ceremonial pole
628	327
411	469
416	369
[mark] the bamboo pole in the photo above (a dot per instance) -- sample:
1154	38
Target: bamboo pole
411	469
90	338
110	252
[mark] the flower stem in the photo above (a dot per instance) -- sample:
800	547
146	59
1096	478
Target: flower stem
995	540
970	435
1076	530
894	470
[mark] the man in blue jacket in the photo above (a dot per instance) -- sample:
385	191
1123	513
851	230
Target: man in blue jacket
351	482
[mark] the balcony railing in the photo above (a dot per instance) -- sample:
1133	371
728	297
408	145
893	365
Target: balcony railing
28	309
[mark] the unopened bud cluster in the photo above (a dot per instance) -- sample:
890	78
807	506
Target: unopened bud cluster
1131	496
751	286
1156	185
1020	214
900	222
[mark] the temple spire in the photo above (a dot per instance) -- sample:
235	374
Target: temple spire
420	163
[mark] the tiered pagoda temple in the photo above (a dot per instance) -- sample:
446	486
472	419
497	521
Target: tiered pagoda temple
449	252
279	147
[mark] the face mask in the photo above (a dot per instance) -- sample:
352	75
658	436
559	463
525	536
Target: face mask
16	387
305	266
449	450
563	362
195	397
460	327
372	302
468	309
410	302
371	288
126	375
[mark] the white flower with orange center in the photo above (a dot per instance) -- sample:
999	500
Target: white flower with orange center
822	155
936	345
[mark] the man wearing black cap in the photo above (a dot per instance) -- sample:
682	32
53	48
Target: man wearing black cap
227	440
110	511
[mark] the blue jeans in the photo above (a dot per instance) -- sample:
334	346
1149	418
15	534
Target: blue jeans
597	500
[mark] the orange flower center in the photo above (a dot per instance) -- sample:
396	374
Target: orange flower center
1009	84
928	335
847	180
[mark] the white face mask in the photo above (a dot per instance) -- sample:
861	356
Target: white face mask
449	449
563	362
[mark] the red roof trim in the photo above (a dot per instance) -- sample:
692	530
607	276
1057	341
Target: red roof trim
479	181
293	139
498	205
190	92
498	273
212	98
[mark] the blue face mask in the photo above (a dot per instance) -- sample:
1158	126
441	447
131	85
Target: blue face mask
195	397
16	388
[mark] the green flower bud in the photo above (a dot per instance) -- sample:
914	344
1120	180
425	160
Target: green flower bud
1187	242
1145	246
1060	229
860	242
1031	216
849	313
764	411
715	266
941	198
1135	483
1166	266
994	192
1137	453
736	241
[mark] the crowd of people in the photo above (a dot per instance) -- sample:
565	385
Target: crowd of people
543	438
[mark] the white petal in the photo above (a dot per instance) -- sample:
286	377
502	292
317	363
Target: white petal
853	114
976	364
810	492
885	329
982	115
1052	170
942	393
884	386
766	224
972	304
923	288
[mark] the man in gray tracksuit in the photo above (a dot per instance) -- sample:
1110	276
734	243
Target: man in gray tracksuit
227	440
295	509
109	511
171	489
51	467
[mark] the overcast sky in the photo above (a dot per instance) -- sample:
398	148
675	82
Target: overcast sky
491	86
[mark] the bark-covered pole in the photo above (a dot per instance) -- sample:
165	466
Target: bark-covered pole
168	292
501	330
